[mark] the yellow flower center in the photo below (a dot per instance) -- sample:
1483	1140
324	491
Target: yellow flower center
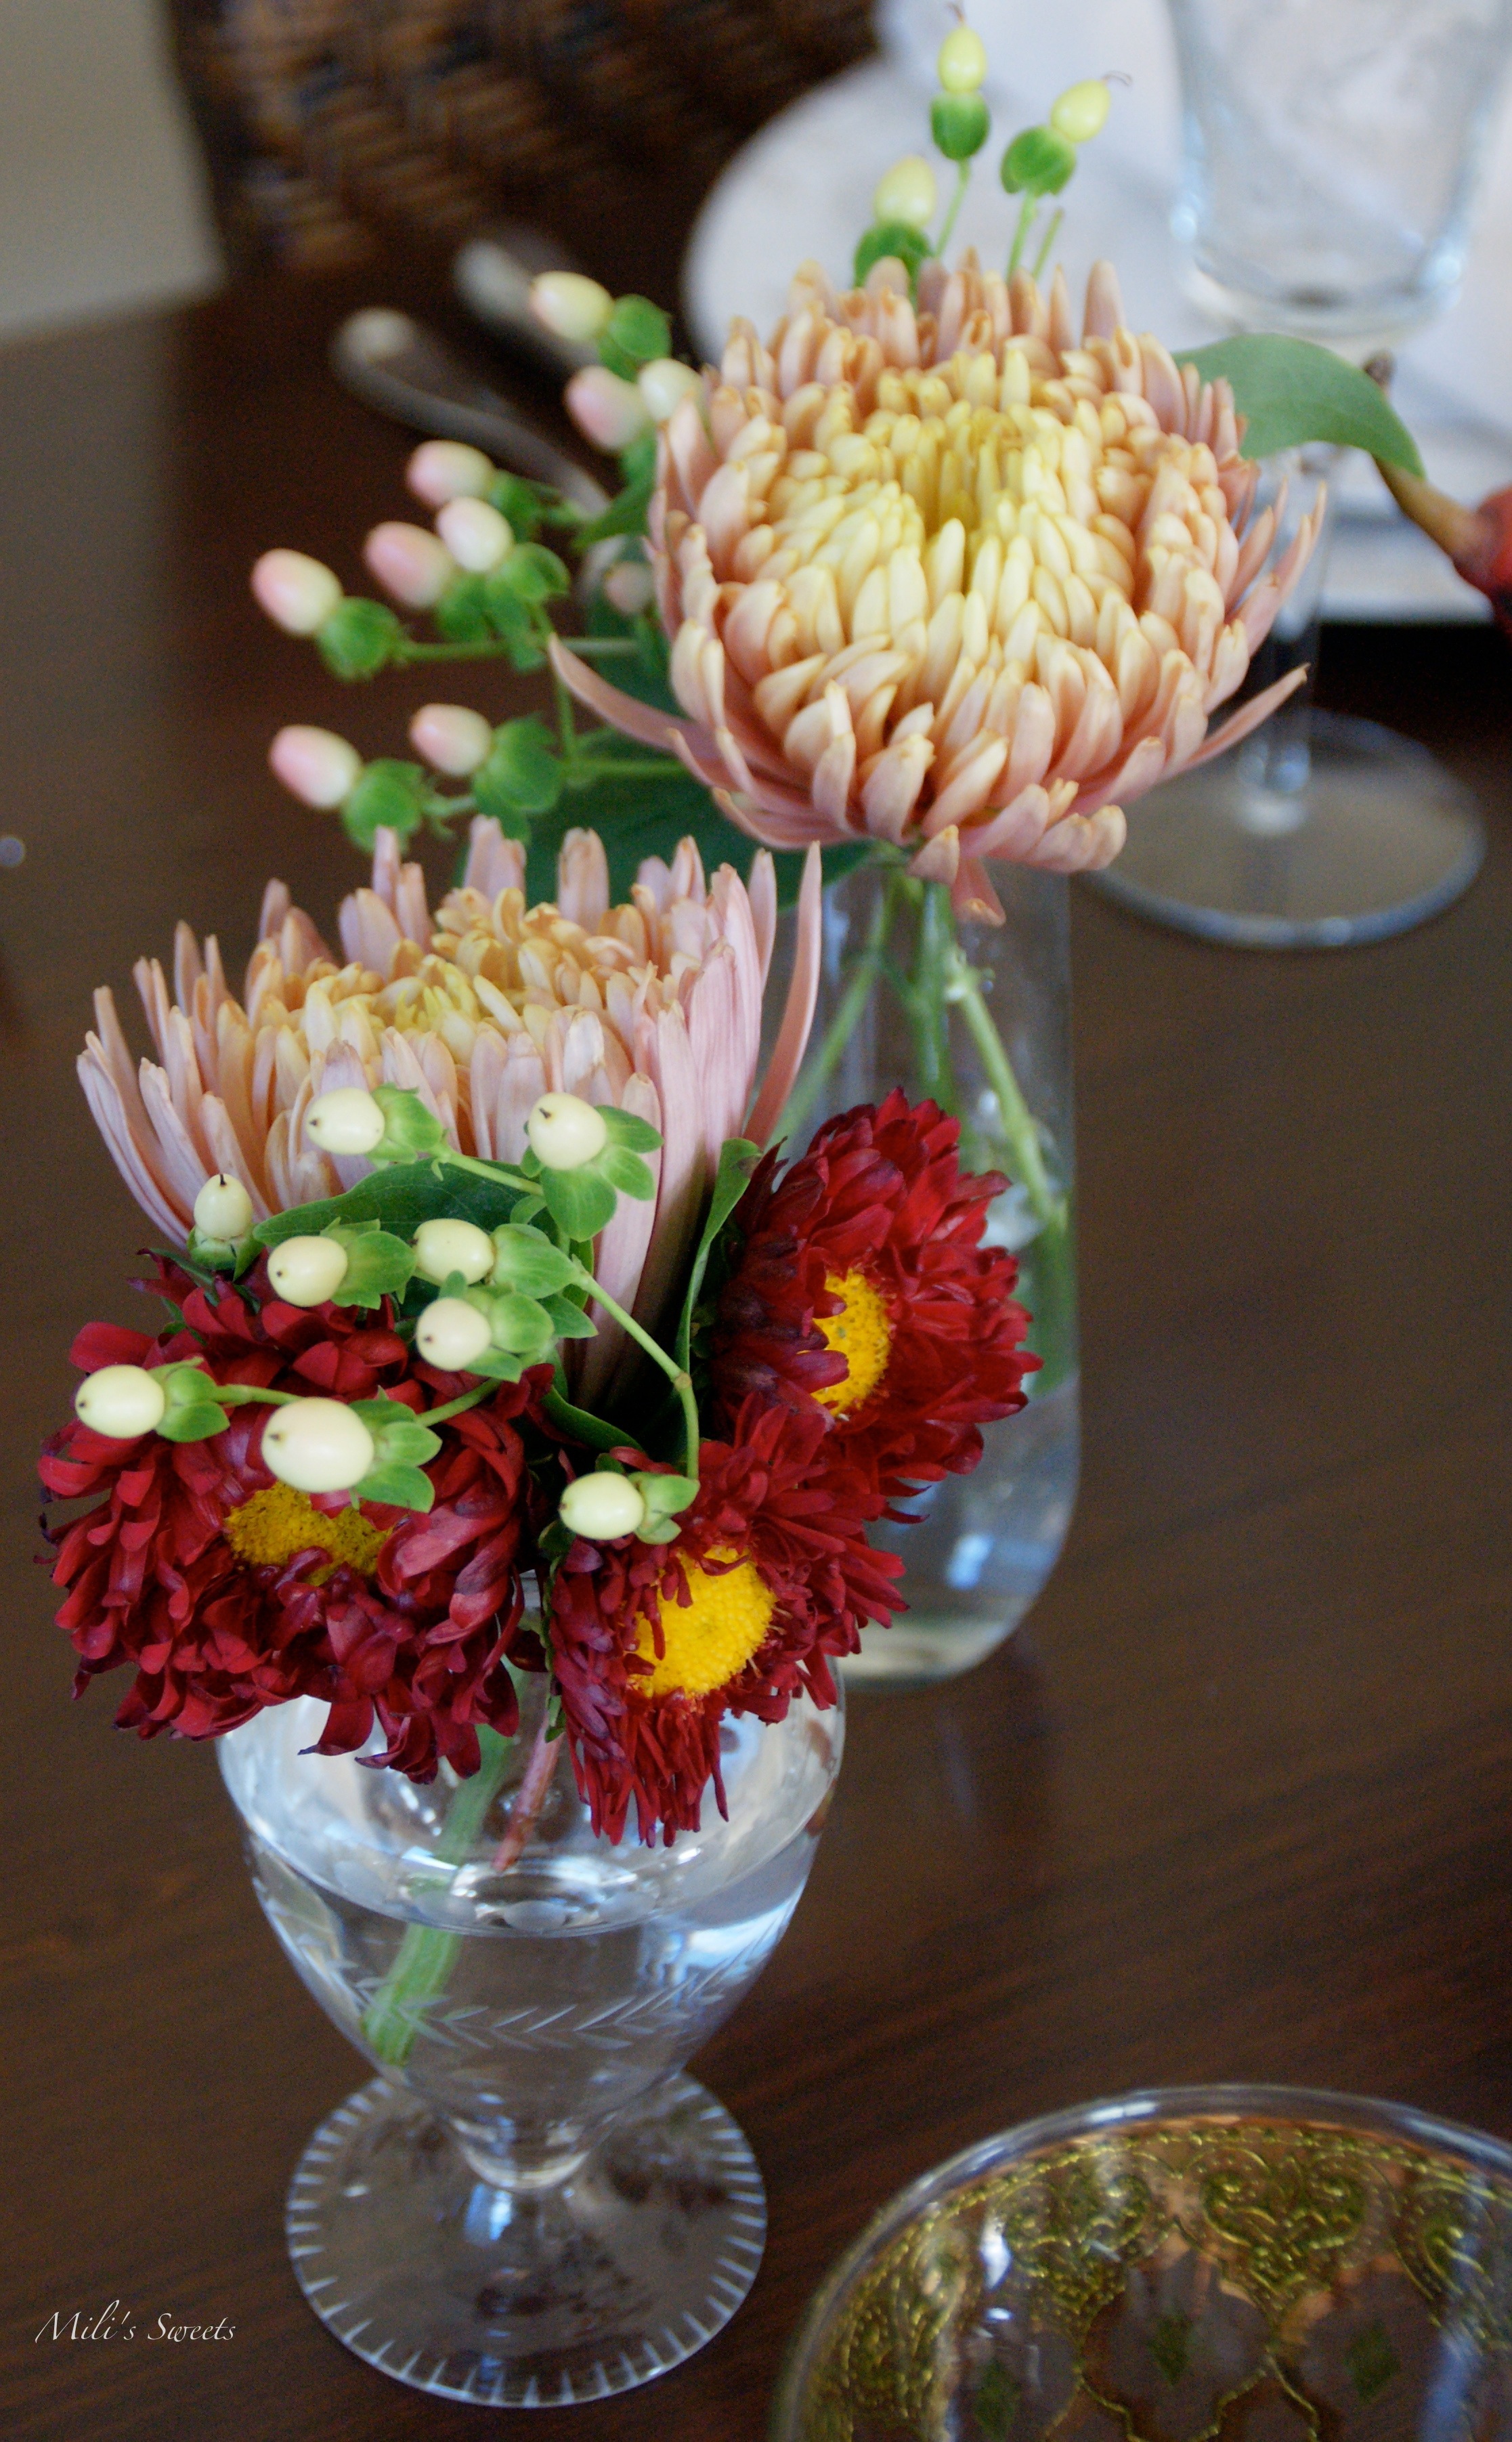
709	1640
277	1523
862	1334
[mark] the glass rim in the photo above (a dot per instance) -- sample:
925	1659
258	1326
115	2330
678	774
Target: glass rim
1302	2106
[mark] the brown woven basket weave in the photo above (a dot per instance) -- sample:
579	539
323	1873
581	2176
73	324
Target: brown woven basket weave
331	123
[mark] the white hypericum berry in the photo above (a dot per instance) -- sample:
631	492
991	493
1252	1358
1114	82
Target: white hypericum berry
316	1445
1081	112
319	769
665	384
961	66
223	1208
443	1247
906	192
575	308
630	586
476	535
452	737
346	1120
307	1271
608	412
450	1333
120	1401
299	593
564	1132
448	470
410	562
602	1507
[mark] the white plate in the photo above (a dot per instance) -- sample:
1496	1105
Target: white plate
802	188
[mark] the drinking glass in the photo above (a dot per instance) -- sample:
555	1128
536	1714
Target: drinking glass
1332	150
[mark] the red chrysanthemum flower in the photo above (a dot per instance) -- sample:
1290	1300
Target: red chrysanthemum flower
770	1576
228	1590
861	1286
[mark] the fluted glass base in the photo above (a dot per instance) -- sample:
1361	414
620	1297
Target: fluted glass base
1367	836
569	2291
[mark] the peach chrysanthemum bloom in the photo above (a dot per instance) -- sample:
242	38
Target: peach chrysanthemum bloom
654	1005
954	578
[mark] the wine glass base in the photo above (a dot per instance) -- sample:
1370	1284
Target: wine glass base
1381	838
574	2292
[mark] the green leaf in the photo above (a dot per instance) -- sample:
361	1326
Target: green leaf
568	1320
959	123
579	1202
499	1365
378	1265
637	1136
527	1261
658	1530
736	1156
398	1199
582	1425
625	514
1292	391
636	821
625	1171
516	623
401	1487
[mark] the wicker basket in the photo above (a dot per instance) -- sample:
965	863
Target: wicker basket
331	123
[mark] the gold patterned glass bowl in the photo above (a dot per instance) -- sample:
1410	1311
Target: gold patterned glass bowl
1220	2264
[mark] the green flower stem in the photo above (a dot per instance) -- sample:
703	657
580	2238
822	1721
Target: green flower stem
425	1957
962	991
681	1382
652	767
589	646
925	995
407	648
816	1073
1027	212
499	1172
963	179
454	1407
244	1394
1050	235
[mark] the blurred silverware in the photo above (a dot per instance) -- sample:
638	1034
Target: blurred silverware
397	366
492	275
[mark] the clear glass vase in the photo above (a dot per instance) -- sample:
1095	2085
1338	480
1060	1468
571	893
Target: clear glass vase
976	1016
531	2204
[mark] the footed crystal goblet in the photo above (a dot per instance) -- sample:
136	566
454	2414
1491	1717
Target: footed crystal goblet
1332	158
531	2204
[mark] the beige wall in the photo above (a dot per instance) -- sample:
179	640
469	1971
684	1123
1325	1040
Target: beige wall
102	200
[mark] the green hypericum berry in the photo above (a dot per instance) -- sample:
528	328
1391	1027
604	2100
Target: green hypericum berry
358	637
910	245
960	124
1038	162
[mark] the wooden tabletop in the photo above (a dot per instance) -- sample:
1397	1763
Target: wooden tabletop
1233	1803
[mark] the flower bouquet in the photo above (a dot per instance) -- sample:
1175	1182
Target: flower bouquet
938	577
501	1475
526	1430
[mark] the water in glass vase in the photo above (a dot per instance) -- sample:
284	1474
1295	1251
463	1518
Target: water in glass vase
976	1017
531	2204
